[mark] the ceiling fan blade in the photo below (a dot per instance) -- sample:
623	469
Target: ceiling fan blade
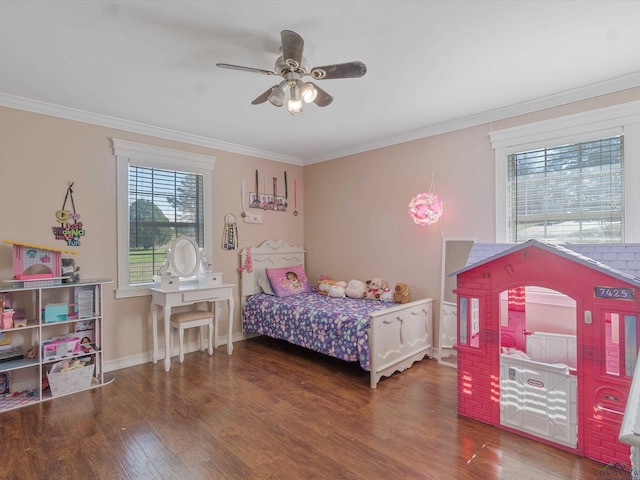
245	69
292	46
322	98
263	98
339	70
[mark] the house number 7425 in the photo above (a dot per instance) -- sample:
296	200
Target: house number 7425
614	292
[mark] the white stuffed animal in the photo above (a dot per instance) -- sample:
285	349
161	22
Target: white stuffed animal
386	296
336	291
355	289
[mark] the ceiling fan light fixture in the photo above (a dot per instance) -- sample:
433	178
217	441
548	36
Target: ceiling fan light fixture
276	97
295	102
308	91
292	65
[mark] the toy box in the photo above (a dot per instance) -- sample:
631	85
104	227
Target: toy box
69	381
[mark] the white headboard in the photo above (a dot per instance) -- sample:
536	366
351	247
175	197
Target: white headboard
269	254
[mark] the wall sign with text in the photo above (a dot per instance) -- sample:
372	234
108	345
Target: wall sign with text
70	227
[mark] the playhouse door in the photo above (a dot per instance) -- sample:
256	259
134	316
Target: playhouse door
609	362
539	399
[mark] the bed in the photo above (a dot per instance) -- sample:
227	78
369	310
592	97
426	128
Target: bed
383	337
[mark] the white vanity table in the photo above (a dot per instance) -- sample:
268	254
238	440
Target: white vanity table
189	294
184	261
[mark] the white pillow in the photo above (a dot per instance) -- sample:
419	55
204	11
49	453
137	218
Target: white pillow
265	285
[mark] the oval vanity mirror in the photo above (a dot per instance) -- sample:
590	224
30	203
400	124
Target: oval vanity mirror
185	257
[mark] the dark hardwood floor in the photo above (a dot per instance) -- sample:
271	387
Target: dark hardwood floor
270	411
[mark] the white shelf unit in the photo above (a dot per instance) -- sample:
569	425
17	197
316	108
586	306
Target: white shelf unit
27	378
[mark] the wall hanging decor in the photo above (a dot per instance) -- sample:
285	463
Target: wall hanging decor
242	192
426	208
286	190
70	229
268	201
230	233
248	217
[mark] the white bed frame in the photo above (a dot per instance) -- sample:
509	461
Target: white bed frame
399	336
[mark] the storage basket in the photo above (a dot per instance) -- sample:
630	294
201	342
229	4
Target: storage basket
69	381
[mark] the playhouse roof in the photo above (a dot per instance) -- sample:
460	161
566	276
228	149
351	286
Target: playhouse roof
620	260
40	247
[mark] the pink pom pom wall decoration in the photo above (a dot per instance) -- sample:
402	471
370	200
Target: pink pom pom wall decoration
425	208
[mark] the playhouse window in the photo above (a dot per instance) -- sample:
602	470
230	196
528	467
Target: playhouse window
469	322
162	194
621	343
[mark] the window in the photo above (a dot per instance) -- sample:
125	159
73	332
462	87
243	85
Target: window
163	205
469	321
621	344
572	193
162	194
572	178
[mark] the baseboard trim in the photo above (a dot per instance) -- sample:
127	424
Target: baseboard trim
132	361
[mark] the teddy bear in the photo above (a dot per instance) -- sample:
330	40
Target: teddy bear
355	289
374	288
69	271
401	294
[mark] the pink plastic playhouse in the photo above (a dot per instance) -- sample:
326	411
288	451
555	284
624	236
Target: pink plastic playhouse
548	341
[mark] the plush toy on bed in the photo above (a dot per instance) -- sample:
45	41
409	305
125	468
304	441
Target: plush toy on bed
355	289
324	284
401	294
337	290
374	286
386	296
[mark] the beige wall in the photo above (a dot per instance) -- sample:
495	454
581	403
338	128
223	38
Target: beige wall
40	154
357	225
353	222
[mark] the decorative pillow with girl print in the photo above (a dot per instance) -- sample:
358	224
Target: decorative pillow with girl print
288	281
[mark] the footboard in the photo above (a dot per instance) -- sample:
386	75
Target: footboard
400	336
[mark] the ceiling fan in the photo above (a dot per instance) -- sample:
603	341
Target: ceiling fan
292	67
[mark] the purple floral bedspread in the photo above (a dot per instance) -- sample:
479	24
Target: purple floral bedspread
329	325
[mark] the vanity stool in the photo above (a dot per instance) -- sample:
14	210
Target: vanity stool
193	318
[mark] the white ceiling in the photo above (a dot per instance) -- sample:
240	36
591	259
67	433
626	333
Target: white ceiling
432	66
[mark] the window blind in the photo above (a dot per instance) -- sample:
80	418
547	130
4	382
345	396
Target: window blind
163	205
572	193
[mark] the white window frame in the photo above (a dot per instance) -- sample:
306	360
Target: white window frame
131	153
605	122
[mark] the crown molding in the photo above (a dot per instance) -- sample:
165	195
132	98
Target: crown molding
54	110
550	101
